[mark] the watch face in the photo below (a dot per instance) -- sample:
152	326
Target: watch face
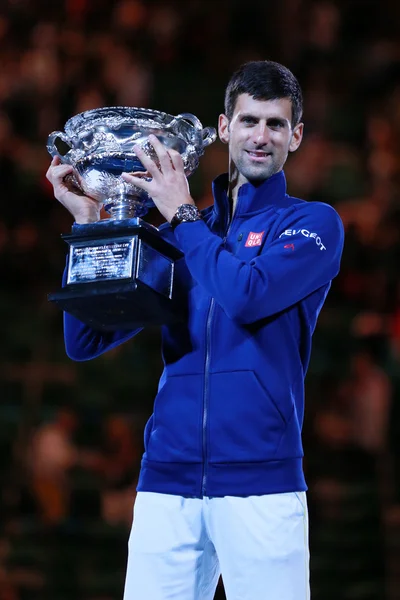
188	212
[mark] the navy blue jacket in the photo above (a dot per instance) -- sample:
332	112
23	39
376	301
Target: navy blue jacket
229	410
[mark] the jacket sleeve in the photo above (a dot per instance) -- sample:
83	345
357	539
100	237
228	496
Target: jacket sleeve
83	343
304	256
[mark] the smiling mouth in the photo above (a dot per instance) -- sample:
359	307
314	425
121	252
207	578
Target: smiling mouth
258	153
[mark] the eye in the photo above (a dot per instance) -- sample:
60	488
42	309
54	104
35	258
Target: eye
247	120
276	124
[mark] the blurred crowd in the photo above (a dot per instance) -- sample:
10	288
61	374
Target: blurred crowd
70	435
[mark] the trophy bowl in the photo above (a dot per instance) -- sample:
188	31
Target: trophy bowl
99	144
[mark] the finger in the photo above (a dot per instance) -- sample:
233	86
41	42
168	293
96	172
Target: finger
146	161
55	161
56	174
62	170
138	181
162	154
177	160
141	174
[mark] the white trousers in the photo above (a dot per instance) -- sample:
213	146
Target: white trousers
179	546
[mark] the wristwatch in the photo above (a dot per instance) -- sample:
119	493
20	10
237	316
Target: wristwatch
186	213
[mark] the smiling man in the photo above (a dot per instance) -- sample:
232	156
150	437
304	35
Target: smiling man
221	488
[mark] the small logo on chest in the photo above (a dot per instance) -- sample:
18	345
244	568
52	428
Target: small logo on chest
254	239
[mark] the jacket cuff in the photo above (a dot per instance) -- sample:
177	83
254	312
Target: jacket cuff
191	233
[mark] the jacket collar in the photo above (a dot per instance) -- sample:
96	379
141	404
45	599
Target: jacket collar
251	198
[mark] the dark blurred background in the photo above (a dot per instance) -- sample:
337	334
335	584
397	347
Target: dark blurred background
71	434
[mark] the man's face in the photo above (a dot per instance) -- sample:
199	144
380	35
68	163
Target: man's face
260	136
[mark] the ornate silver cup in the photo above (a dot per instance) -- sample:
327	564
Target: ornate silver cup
99	145
121	270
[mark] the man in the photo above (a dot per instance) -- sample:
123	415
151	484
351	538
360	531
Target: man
221	487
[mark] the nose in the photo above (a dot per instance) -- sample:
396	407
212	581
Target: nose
260	134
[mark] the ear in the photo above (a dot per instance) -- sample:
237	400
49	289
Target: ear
297	136
223	129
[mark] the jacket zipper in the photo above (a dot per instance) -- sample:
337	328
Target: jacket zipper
205	397
206	378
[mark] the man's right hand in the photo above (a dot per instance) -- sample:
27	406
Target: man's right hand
83	208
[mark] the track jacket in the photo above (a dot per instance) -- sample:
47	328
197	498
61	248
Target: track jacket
229	410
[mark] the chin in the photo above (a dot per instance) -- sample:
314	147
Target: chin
259	175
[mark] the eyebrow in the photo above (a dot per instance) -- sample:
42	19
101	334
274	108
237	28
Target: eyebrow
269	119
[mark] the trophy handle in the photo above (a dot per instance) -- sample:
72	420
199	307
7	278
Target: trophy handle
59	144
187	117
208	134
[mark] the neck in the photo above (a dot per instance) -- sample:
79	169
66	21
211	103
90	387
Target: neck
236	180
233	196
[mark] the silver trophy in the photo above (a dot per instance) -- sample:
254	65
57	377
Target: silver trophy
121	270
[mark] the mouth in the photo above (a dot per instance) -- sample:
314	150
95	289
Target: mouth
258	155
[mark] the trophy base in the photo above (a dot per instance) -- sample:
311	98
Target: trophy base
120	276
110	307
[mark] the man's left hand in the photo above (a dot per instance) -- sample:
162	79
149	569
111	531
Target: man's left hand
168	187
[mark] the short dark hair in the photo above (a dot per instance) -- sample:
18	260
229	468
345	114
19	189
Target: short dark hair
264	80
